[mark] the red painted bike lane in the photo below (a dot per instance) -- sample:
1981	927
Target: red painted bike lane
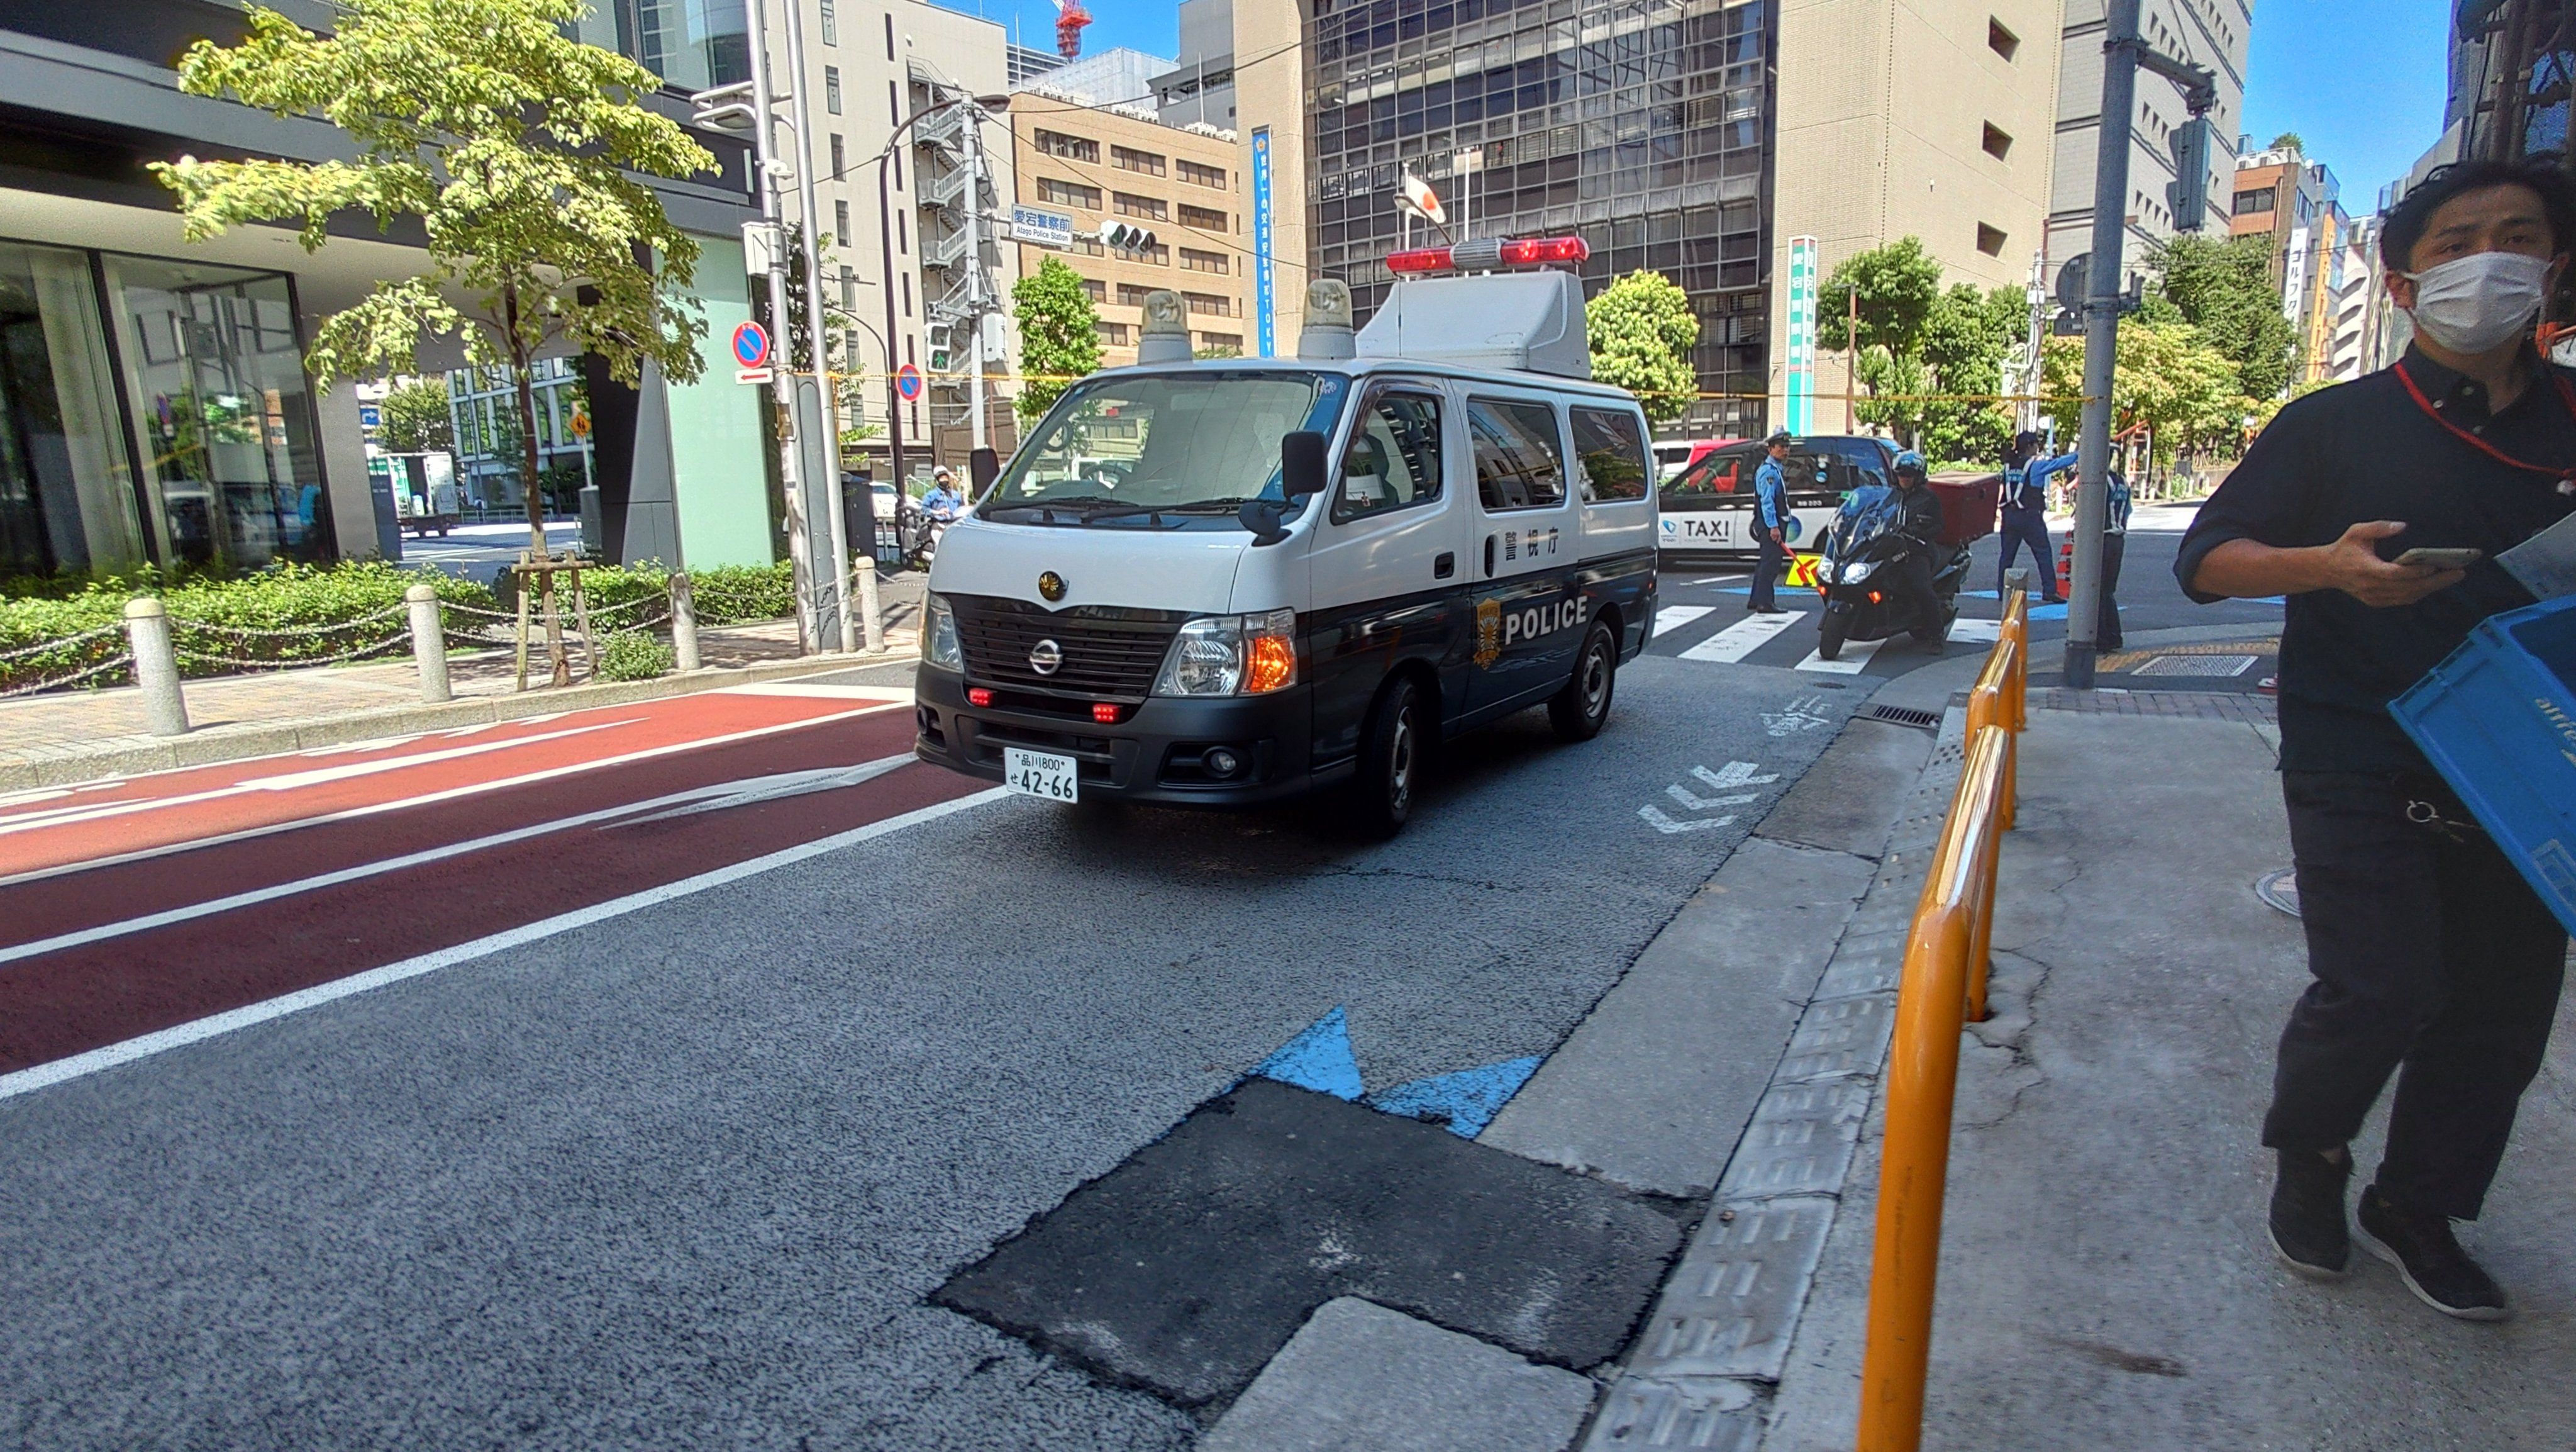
100	956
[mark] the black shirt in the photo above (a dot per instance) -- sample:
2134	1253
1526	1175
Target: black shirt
1918	513
2366	451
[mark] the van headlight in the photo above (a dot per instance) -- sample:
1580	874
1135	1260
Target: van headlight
1857	571
1232	655
939	636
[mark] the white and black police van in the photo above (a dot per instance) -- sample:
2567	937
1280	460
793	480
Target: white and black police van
1215	582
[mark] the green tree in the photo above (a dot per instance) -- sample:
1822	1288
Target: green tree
2167	379
1896	285
2224	287
416	418
1965	341
1059	334
1641	331
516	148
2287	141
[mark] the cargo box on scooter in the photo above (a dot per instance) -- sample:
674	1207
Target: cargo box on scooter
1968	504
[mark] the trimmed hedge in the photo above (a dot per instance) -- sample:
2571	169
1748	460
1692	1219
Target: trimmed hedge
635	655
728	595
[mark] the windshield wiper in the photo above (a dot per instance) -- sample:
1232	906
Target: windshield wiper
1207	506
1080	506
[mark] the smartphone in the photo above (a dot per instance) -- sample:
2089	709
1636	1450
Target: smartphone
2442	559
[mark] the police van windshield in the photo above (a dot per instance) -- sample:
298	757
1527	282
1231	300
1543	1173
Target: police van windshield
1155	449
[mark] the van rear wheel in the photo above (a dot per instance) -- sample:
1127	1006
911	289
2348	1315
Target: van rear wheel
1390	761
1580	710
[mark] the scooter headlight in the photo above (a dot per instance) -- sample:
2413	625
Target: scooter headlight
1857	571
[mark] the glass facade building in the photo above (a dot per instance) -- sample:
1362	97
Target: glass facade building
1645	126
152	409
693	45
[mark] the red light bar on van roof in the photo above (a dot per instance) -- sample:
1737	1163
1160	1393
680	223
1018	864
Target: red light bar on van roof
1488	252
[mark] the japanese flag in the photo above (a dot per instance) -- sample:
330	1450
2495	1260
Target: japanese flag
1421	200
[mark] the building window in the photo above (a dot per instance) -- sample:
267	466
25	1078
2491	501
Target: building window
1071	148
1194	260
2000	40
1998	141
840	157
907	303
2249	203
1066	194
1222	340
849	291
1206	219
1210	304
894	105
1990	240
1114	334
1097	290
902	235
832	89
831	24
1202	175
1129	159
1160	253
1128	204
1132	295
841	223
889	20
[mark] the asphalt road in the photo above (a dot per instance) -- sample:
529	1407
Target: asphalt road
636	1078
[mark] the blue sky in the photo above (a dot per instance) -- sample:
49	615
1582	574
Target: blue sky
2361	81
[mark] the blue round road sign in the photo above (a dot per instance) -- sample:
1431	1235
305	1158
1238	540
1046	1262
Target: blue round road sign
907	381
750	345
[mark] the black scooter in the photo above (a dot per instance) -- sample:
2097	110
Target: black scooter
1857	576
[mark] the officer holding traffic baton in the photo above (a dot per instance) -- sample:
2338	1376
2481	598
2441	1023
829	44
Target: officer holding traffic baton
1770	524
2377	508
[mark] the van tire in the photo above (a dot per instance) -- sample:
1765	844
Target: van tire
1579	711
1390	762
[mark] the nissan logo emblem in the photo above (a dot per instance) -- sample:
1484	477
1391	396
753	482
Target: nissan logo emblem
1046	657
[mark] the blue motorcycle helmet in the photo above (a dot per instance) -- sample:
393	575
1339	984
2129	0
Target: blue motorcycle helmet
1910	462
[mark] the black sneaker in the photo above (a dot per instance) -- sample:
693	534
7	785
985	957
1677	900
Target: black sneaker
2429	1260
2307	1215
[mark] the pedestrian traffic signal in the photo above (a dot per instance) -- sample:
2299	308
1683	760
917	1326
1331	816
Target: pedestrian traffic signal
1125	237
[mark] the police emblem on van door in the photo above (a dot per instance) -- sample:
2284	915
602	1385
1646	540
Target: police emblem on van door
1051	586
1489	632
1046	657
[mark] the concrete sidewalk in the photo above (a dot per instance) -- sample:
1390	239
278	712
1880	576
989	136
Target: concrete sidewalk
70	736
2105	1281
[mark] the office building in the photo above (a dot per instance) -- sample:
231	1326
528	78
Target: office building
1199	88
2212	34
155	395
2282	195
1095	165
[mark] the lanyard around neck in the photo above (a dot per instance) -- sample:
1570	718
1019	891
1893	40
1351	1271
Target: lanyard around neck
2566	398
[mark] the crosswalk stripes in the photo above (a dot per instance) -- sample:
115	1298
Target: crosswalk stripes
1731	645
1976	632
1673	617
1855	655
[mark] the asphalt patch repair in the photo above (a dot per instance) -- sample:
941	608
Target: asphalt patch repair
1186	1268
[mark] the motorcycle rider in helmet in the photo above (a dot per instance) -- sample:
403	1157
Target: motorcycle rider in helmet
1918	518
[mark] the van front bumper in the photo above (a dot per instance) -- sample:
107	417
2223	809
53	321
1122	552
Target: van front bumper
1157	754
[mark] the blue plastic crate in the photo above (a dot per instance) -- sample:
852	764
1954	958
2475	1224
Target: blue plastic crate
2498	720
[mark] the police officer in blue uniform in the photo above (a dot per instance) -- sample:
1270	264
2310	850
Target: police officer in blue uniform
2026	476
1770	524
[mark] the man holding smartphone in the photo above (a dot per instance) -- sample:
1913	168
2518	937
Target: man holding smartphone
2433	960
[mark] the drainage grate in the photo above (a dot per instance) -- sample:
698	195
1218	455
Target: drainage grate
1904	716
2197	665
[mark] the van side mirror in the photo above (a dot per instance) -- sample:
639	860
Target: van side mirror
1301	476
983	466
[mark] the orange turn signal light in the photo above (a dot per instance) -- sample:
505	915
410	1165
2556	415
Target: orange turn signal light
1270	664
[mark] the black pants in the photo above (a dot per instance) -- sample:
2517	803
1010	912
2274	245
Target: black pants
1771	559
2028	527
2434	961
1913	584
2106	629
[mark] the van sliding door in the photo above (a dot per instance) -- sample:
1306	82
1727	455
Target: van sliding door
1529	609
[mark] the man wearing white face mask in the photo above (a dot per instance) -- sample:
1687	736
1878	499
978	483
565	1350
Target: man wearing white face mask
2433	961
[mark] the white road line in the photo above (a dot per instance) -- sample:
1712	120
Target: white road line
1856	653
1673	617
428	798
257	895
1731	645
81	1065
1721	579
1976	631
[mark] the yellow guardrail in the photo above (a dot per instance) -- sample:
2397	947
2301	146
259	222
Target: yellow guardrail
1943	987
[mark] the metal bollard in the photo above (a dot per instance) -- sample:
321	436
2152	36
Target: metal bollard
156	666
428	642
684	622
871	613
2017	578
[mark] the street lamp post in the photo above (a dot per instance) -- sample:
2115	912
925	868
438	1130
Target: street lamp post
832	624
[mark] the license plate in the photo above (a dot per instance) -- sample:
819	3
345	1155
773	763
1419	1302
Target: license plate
1040	774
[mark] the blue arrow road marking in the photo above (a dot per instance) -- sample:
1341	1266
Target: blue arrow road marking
1319	1059
1468	1099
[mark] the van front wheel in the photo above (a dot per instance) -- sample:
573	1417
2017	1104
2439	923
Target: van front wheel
1580	710
1390	761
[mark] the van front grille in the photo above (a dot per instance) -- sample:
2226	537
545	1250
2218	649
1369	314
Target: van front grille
1110	652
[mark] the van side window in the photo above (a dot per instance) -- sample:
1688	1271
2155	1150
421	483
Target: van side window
1518	465
1394	457
1612	451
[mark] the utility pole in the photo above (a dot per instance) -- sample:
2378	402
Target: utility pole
2034	369
831	616
2123	52
783	379
976	301
1851	363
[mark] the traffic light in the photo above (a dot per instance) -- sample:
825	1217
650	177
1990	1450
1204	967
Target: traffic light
1125	237
2187	195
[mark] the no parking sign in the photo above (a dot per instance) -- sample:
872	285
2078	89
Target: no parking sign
907	381
751	350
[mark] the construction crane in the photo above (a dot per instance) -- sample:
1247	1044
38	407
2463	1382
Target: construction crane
1070	17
